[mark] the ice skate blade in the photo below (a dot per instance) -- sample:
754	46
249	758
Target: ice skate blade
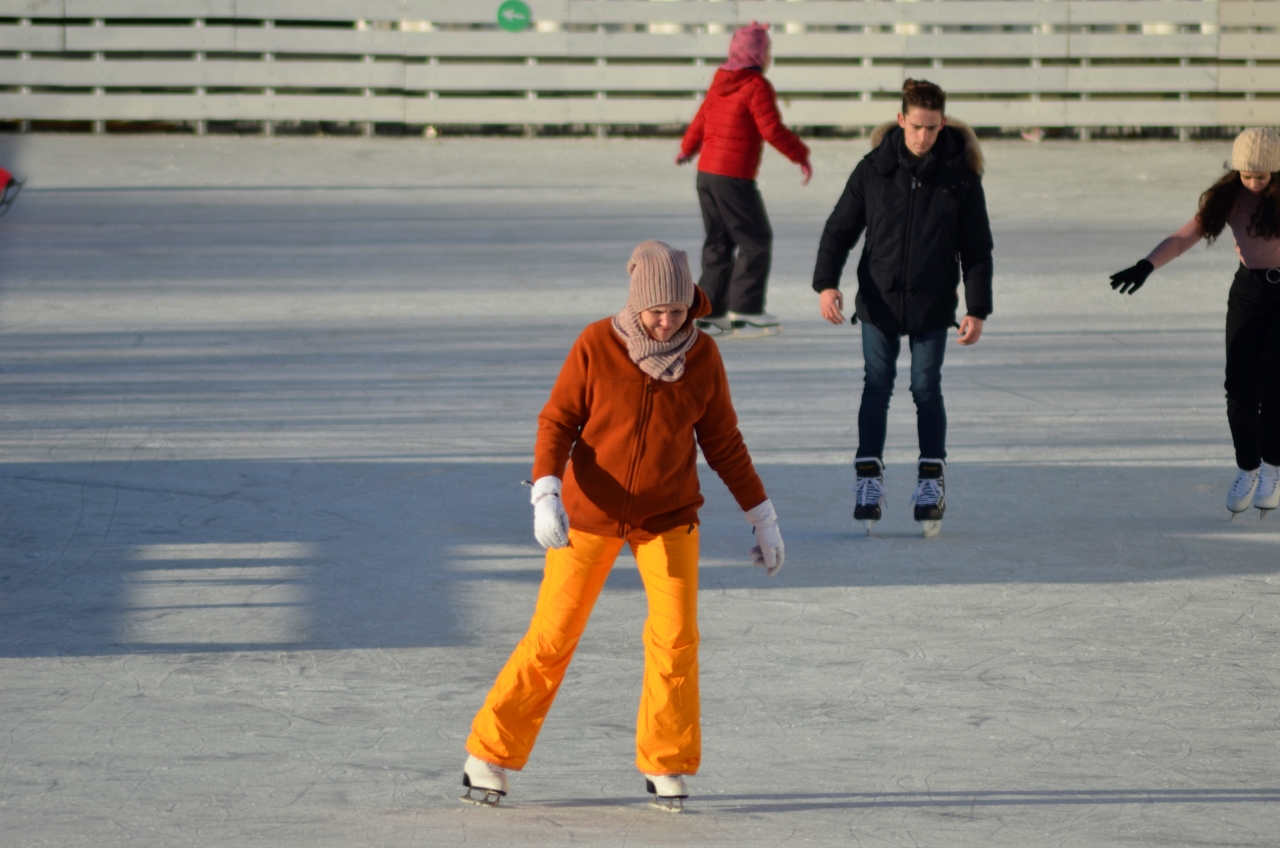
868	523
667	805
1264	513
749	332
490	798
931	528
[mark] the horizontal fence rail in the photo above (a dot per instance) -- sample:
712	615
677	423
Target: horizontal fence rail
629	63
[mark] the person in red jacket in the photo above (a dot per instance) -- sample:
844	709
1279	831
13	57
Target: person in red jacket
739	114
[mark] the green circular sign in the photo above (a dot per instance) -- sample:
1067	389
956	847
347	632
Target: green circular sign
514	16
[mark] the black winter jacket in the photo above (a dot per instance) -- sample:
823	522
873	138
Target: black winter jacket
921	230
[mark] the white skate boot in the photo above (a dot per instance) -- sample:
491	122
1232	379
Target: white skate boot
487	779
931	496
668	791
1240	497
1267	497
715	325
868	491
748	326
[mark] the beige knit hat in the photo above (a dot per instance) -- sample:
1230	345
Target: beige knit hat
659	274
1257	151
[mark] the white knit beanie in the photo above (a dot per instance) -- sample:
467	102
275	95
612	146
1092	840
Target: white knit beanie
659	274
1256	151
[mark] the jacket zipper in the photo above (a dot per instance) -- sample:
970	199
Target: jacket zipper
906	244
642	422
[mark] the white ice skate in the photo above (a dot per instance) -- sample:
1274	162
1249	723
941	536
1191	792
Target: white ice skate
715	325
487	779
868	491
931	496
748	326
1240	497
668	791
1267	497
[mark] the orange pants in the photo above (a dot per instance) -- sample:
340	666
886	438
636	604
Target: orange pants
668	733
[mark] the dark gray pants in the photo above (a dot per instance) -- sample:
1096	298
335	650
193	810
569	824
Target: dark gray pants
733	214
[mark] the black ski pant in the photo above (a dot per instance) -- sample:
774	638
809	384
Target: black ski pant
1253	368
733	214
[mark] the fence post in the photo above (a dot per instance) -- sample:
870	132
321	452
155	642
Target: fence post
99	125
602	130
201	124
269	126
24	125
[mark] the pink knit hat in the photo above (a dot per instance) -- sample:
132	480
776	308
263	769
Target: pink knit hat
659	274
749	47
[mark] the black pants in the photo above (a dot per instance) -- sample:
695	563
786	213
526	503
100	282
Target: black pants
1253	368
733	213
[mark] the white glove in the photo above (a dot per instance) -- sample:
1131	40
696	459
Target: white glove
769	552
550	524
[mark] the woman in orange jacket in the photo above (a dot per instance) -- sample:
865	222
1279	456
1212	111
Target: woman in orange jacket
638	395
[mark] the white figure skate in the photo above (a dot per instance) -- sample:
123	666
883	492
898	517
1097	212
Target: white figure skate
1267	497
668	791
746	326
487	779
715	325
1240	497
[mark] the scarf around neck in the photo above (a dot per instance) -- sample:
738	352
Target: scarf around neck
660	360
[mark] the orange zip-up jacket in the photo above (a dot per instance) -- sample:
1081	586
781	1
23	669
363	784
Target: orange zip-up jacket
629	440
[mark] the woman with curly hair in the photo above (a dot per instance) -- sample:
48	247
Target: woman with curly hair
1246	199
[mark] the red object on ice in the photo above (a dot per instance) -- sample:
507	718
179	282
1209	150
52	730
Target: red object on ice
9	188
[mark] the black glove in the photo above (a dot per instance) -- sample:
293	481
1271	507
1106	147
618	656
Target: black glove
1130	280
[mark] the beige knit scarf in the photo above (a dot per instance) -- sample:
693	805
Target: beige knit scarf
660	360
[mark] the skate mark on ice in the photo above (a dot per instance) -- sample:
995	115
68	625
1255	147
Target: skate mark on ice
1014	798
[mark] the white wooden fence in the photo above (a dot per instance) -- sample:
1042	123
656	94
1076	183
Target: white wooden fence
838	63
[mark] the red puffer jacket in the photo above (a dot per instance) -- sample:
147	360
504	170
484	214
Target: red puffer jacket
739	114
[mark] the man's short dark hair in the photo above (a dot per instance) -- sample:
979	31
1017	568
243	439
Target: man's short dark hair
923	94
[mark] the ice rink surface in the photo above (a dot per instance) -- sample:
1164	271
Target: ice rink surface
267	404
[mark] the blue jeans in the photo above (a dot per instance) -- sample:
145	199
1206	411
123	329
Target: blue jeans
880	352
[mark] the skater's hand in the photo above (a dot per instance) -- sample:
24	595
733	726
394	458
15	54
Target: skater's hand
807	170
830	303
970	330
1130	280
683	158
769	552
550	524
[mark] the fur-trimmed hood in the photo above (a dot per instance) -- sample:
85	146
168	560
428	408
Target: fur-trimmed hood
972	149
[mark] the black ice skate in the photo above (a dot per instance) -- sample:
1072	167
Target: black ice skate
488	780
931	496
668	791
868	491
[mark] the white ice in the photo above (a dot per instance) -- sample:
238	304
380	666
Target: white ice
266	409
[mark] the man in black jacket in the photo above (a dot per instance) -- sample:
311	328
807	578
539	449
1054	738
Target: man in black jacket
918	196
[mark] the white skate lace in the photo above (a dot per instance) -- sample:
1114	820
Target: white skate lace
928	492
870	491
1244	482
